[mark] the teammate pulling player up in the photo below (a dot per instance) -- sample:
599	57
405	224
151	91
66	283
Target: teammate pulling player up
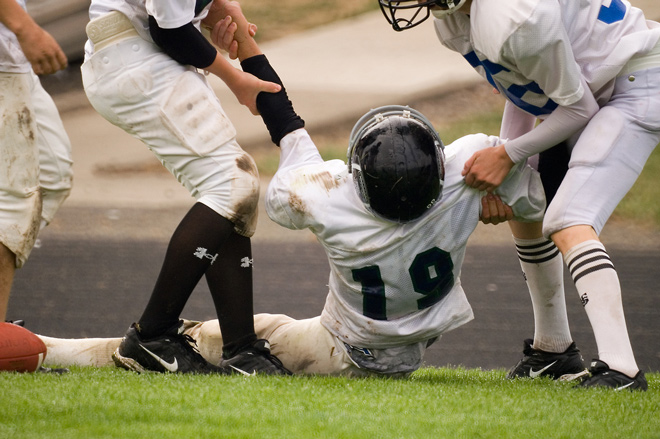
141	74
589	69
394	223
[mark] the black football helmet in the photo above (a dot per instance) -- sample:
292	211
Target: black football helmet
416	11
397	161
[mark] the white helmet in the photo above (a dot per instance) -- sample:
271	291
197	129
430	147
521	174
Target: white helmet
417	11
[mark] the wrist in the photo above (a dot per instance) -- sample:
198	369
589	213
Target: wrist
21	27
510	153
247	48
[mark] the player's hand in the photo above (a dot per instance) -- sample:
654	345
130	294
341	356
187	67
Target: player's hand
487	168
223	35
246	87
494	211
41	50
228	26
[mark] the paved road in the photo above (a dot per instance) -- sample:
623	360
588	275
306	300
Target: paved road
77	286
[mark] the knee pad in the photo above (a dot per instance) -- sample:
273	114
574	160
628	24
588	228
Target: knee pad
240	204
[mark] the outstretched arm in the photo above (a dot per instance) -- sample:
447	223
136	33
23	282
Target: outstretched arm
275	108
188	46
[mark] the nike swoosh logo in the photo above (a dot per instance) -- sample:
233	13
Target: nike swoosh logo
243	372
624	387
535	373
172	367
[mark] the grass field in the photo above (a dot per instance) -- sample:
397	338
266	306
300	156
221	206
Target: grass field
434	403
93	403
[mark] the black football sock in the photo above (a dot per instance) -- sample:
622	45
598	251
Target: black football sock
230	282
192	249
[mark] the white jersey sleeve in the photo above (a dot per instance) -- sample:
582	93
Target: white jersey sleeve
521	189
291	193
171	14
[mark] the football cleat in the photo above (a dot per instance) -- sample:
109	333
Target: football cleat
255	358
603	376
536	363
172	351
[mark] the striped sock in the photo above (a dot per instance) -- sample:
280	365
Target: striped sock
598	285
543	269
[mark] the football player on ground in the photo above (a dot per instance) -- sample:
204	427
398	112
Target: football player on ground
143	72
394	222
590	70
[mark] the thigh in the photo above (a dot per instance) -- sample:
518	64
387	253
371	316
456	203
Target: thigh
55	160
174	111
303	346
20	197
606	160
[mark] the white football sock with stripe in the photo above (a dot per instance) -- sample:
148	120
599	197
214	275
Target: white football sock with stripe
598	285
543	268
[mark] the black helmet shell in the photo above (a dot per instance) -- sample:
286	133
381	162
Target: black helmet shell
398	169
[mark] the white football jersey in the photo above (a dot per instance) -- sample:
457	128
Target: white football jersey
390	284
12	59
536	51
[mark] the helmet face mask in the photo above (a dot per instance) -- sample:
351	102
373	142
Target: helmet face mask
406	14
397	162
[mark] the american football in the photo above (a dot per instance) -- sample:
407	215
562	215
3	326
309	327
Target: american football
20	349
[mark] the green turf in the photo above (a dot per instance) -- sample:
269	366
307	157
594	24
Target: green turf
433	403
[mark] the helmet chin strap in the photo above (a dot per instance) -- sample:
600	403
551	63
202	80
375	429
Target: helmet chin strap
452	6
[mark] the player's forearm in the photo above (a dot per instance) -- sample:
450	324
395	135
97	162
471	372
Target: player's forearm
275	108
515	122
559	126
14	17
223	70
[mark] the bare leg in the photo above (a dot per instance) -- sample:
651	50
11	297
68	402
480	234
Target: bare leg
7	270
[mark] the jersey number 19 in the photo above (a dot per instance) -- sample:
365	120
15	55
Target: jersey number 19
431	273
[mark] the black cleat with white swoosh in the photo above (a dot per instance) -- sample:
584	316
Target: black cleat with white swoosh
254	358
172	351
603	376
536	363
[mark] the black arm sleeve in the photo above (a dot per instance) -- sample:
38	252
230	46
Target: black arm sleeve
185	44
275	108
